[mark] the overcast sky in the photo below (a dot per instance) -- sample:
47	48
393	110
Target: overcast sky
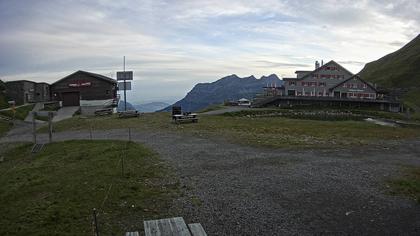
172	45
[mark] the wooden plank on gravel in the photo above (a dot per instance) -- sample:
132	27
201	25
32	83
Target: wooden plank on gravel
132	233
37	148
197	230
166	227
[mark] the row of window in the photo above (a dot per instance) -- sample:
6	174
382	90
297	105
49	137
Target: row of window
309	94
313	84
351	85
322	76
332	68
360	95
349	95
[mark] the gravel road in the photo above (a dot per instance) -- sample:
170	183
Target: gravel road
236	190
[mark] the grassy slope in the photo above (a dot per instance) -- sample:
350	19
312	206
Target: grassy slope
21	112
4	127
267	131
54	192
3	102
399	69
408	184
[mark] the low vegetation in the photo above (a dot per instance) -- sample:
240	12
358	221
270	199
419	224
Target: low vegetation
324	114
408	184
4	127
53	192
255	131
212	108
21	112
3	102
412	100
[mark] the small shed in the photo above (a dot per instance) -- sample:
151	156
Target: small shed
244	102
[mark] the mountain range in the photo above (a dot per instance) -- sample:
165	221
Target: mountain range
144	107
151	106
229	88
398	72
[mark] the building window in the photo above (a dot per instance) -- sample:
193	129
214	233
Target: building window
292	83
107	92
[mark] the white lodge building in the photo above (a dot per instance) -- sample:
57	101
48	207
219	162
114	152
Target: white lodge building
329	80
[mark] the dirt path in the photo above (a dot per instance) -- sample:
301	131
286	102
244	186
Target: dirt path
237	190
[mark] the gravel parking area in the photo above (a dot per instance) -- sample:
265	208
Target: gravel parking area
236	190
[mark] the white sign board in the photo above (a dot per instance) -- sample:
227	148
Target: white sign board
125	75
121	86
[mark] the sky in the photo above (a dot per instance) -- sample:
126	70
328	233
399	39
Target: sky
171	45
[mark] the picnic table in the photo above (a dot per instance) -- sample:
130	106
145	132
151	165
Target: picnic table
186	117
129	113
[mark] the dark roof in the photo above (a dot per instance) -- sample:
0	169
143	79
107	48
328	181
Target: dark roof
19	81
303	71
325	65
98	76
354	76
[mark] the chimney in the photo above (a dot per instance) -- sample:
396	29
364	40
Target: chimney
322	62
316	65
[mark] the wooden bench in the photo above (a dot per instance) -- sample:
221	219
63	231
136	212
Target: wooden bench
103	112
172	227
185	118
127	114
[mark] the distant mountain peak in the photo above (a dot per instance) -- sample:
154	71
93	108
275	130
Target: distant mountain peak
231	87
272	76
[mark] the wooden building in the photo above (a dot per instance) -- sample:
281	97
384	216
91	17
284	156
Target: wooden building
25	91
329	85
84	88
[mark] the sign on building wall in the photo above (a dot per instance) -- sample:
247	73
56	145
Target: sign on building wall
125	75
127	85
80	84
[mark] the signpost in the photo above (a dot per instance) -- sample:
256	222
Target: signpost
125	75
124	85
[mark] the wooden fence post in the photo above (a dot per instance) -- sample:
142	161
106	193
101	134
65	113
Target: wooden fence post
50	130
95	221
90	132
34	127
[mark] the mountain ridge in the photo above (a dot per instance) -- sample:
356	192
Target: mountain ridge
398	72
231	87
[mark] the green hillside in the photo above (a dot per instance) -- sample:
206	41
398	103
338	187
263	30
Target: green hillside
3	102
398	70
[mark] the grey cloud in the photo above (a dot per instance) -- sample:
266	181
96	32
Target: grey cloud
356	63
214	39
397	43
269	64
